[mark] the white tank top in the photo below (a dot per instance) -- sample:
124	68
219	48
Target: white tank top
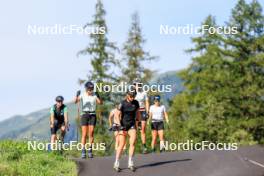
157	112
88	102
141	97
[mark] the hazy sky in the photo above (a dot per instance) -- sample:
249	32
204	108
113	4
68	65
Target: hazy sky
34	69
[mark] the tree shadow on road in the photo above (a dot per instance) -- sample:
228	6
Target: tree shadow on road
162	163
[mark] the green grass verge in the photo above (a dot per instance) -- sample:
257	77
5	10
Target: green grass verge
17	160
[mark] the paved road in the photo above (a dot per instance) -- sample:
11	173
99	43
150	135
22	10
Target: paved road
189	163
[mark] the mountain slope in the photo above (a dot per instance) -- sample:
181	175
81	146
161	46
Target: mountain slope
34	125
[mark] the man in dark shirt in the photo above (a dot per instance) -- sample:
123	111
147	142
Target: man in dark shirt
128	113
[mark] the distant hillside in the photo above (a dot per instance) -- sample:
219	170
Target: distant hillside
36	125
169	78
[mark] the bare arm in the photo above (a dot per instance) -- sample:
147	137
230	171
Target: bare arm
119	113
52	120
166	116
150	117
77	99
66	120
110	118
138	115
99	101
147	105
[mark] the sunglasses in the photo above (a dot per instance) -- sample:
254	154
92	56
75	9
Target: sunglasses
131	96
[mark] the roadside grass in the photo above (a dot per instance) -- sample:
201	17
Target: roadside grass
17	160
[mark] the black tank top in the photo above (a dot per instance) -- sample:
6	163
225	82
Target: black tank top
128	111
59	113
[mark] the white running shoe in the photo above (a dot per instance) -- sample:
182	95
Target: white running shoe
116	166
131	166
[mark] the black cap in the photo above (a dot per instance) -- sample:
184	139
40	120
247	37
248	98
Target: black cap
132	92
157	98
89	85
59	98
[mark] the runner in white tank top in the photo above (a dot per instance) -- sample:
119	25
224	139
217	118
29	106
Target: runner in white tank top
157	114
88	101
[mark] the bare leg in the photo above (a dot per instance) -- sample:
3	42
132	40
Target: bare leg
53	139
84	135
116	140
63	132
91	134
143	132
161	137
132	140
154	139
122	141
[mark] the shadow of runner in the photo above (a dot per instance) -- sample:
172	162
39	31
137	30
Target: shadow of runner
162	163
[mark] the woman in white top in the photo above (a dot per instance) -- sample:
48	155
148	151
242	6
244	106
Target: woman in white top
88	100
157	113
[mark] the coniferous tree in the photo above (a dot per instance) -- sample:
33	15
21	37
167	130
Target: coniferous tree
100	49
134	54
224	92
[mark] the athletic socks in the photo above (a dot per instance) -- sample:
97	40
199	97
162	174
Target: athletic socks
144	149
162	145
90	149
130	161
116	163
83	153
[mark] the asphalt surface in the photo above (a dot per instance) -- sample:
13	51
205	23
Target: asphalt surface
246	161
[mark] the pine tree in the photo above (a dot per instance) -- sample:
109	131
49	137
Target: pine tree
134	54
223	86
100	49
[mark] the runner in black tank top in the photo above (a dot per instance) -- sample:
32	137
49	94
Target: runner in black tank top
128	113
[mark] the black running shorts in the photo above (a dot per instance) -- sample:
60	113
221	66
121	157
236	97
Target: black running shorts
143	116
57	126
128	126
88	119
157	126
